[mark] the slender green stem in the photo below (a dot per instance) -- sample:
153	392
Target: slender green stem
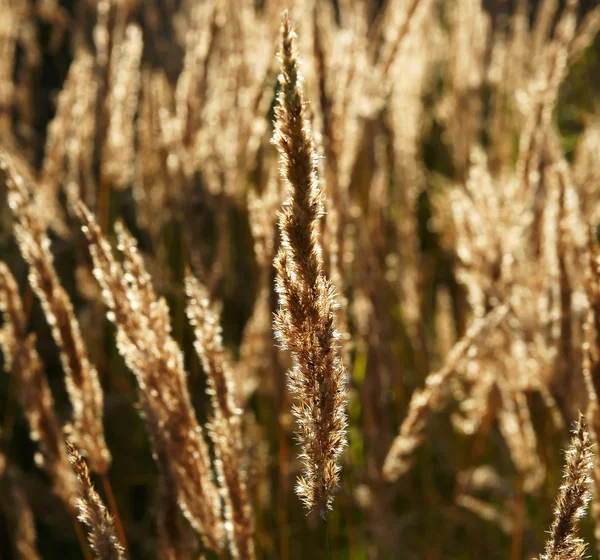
327	545
112	506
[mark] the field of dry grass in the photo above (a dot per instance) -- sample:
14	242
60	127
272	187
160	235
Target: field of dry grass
315	279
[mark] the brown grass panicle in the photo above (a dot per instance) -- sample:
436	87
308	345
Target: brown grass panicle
121	104
70	141
305	321
101	531
144	340
23	361
573	498
225	425
424	401
81	377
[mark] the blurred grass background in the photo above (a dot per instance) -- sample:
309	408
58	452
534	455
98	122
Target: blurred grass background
421	520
